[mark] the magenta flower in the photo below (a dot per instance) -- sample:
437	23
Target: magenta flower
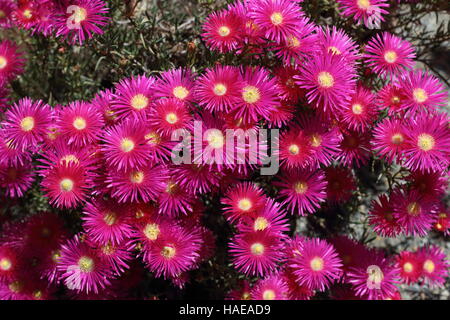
389	139
223	31
361	111
355	147
256	253
27	123
274	287
389	55
169	115
11	61
217	89
317	264
302	190
368	11
391	97
410	267
7	8
382	219
428	143
176	84
81	267
80	20
336	42
133	98
126	147
341	184
16	180
435	265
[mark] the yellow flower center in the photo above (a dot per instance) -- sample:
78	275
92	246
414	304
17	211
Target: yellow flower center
316	140
127	145
316	264
294	149
27	14
357	108
429	266
325	79
66	185
168	252
334	50
224	31
180	92
110	218
152	231
260	224
257	249
397	139
79	14
5	264
3	62
246	296
15	286
27	124
425	142
220	89
137	177
2	14
268	294
363	4
408	267
153	138
69	158
276	18
215	138
395	100
79	123
171	187
56	255
301	187
171	118
390	56
139	102
420	95
413	208
86	264
245	204
293	42
251	94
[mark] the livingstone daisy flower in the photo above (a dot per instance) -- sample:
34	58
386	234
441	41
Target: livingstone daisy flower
374	278
218	89
136	185
391	97
259	95
169	115
416	214
66	184
133	97
80	20
256	253
198	178
27	123
443	222
435	265
107	222
368	11
243	200
355	148
126	147
16	180
81	267
317	264
276	18
329	82
173	252
223	31
7	7
11	61
428	184
341	184
428	143
302	190
9	262
274	287
389	139
11	155
177	83
295	290
422	92
174	199
382	219
295	149
389	55
103	101
410	267
361	111
79	123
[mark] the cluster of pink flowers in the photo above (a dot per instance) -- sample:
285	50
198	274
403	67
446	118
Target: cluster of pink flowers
111	158
74	20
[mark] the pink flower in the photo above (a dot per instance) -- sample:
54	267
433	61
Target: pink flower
169	115
223	31
382	219
389	139
389	55
16	180
11	62
176	84
6	9
435	265
410	267
368	11
361	111
274	287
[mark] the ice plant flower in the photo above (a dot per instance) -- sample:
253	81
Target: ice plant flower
370	12
223	31
382	219
389	55
409	266
435	265
274	287
176	84
11	61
